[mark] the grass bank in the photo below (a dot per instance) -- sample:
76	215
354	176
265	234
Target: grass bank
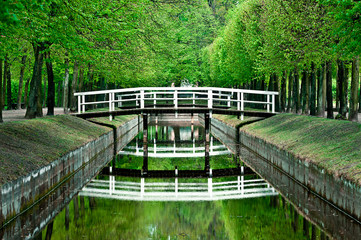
30	144
234	121
331	144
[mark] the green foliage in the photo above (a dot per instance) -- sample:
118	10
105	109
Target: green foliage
347	14
130	43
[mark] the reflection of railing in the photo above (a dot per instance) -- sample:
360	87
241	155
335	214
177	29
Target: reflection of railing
177	96
176	191
175	151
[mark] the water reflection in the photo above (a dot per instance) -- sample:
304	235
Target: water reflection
260	218
178	189
113	206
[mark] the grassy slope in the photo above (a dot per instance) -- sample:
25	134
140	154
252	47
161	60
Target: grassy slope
117	121
234	121
331	144
30	144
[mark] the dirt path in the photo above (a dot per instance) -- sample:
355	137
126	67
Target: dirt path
16	115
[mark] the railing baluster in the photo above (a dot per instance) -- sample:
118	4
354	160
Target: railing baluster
273	103
194	99
242	106
238	102
83	101
210	99
110	101
142	98
79	104
154	99
113	103
176	98
267	103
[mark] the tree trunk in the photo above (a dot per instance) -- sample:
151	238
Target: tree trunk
304	92
26	92
359	100
353	115
60	94
324	90
277	89
4	80
44	91
66	86
34	108
51	85
345	83
1	91
320	103
341	75
290	87
73	100
329	90
296	92
283	92
21	80
81	79
8	85
90	84
337	93
313	90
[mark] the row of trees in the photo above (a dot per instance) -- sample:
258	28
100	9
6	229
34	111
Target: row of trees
307	50
51	48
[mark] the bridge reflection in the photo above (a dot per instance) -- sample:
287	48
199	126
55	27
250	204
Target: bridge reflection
208	189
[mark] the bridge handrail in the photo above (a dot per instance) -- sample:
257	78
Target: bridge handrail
234	90
210	94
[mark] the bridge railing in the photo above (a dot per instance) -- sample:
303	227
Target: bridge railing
173	190
176	97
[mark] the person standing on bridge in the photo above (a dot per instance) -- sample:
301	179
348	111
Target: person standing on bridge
173	85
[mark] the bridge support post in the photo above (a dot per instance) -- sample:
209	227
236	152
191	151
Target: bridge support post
206	128
145	144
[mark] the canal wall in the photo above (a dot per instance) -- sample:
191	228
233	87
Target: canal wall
16	196
343	193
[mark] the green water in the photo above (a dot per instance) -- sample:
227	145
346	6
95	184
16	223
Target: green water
259	218
268	217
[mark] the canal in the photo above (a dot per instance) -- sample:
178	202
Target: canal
175	181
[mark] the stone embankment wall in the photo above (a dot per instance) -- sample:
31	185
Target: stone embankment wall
16	196
344	194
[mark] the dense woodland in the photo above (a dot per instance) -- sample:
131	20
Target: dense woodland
307	50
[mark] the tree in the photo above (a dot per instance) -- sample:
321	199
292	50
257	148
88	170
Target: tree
21	79
34	108
1	91
353	115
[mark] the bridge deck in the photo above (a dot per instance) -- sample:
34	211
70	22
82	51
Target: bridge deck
174	110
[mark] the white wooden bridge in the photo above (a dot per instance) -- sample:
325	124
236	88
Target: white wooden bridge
175	99
208	189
